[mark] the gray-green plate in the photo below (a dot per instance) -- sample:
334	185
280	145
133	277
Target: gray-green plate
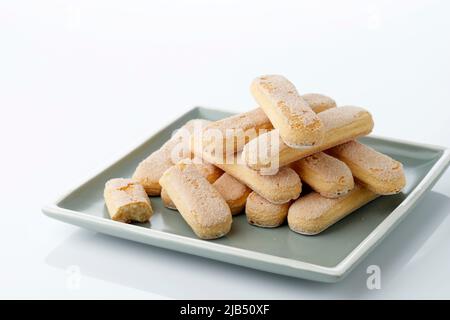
327	257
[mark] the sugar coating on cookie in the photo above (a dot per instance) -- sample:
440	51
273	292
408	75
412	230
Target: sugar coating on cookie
342	124
150	170
325	174
299	126
375	170
293	107
277	188
237	130
200	204
206	169
262	213
313	213
342	116
233	191
229	135
255	118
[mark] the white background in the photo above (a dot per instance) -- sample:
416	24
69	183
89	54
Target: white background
82	81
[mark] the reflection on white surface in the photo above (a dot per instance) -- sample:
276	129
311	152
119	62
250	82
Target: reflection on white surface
181	276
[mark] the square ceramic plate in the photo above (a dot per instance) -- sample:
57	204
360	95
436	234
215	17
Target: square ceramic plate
326	257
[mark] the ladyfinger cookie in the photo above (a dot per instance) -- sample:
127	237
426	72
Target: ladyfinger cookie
150	170
229	135
278	188
341	124
312	214
127	201
234	192
297	123
208	170
376	171
199	203
325	174
263	213
232	133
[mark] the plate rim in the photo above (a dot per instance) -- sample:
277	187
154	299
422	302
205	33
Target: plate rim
333	273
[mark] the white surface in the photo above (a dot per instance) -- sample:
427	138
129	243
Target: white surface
89	78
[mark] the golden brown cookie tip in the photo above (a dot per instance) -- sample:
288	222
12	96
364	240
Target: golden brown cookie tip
263	213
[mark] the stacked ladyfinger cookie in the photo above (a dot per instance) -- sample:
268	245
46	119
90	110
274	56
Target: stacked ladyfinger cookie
259	161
